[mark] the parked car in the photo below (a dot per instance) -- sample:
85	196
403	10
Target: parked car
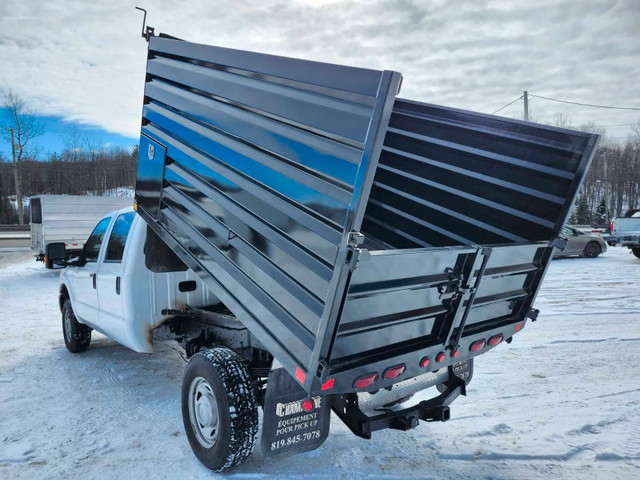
359	247
61	223
625	231
587	245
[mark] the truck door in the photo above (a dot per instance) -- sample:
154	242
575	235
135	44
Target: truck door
111	313
85	277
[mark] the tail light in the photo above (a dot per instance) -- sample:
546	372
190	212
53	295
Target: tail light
328	385
518	327
366	381
424	363
394	372
477	346
455	353
611	227
300	376
440	357
495	340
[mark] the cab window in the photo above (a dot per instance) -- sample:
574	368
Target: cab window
92	247
118	237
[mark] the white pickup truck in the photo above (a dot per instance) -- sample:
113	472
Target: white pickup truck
110	287
625	231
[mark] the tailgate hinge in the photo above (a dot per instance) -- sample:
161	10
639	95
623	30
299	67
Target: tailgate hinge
355	254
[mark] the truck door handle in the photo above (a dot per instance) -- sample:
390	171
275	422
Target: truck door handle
117	285
93	276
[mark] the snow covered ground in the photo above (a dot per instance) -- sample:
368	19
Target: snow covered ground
562	401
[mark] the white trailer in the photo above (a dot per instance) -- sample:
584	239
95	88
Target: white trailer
68	219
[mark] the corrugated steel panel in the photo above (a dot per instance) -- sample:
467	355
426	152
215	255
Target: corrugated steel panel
255	169
269	161
454	177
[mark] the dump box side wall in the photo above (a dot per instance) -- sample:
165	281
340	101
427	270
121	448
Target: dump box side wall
255	168
453	177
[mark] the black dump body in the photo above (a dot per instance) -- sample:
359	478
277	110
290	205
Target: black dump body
349	230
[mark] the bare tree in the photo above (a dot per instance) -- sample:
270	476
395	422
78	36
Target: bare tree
561	120
21	129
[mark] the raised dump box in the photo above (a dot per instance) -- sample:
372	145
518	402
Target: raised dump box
349	230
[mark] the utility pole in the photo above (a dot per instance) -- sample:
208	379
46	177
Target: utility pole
16	178
526	106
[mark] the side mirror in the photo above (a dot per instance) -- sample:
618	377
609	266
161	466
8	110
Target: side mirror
57	253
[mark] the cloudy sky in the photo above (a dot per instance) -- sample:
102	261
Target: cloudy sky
84	61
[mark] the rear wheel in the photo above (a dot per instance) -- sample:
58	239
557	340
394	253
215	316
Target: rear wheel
592	250
219	409
636	251
77	337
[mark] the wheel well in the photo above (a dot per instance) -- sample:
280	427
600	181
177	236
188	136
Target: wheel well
64	294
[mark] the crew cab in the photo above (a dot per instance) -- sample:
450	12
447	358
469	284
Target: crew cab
111	288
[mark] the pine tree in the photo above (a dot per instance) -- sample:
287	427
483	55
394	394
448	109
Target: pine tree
583	213
601	212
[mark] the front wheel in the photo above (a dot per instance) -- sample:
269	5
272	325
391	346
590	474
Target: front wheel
592	250
219	409
636	251
77	337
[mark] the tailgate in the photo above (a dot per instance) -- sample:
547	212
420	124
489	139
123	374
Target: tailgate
452	297
255	169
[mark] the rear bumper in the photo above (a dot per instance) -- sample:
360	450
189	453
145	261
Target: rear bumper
624	240
348	409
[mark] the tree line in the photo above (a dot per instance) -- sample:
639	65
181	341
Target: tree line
611	185
84	167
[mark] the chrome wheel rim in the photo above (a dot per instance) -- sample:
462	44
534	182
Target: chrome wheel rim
67	325
203	412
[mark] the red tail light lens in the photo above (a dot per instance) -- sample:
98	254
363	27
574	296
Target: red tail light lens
394	372
366	381
307	405
518	327
477	346
495	340
424	363
328	385
440	357
455	353
300	376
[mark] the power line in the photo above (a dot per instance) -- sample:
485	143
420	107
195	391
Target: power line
507	104
618	125
586	104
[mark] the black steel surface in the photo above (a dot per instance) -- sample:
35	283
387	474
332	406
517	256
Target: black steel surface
273	169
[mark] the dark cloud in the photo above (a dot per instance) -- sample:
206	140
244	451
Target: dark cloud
85	60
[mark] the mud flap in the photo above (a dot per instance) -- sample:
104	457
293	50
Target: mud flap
293	423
